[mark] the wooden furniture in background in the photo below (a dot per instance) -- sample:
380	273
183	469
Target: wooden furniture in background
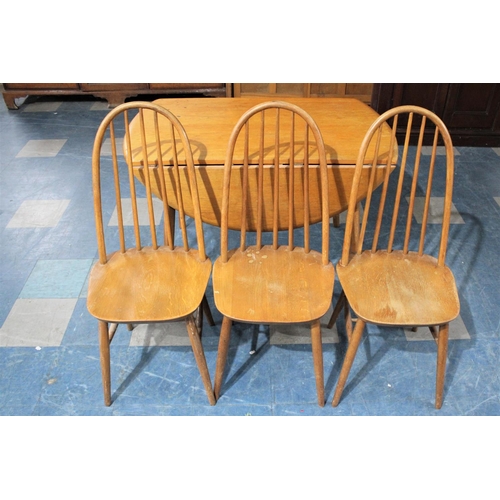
396	281
470	111
361	91
114	93
274	282
147	281
209	123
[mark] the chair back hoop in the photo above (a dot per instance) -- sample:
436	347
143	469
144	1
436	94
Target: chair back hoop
243	126
385	158
153	171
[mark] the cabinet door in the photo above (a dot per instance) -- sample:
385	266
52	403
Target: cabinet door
471	111
271	89
428	95
431	96
361	91
186	86
473	106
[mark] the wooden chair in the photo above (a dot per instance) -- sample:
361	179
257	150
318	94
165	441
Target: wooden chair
274	283
148	281
398	282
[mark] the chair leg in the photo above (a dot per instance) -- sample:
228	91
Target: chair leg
441	363
171	217
207	311
336	309
199	320
105	361
348	320
317	351
199	356
225	335
336	220
349	358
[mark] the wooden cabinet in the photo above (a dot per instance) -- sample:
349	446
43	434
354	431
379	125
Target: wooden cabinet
114	93
471	111
361	91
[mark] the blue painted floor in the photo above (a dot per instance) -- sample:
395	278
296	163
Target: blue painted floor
49	358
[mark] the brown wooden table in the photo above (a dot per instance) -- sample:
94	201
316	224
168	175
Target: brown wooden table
208	123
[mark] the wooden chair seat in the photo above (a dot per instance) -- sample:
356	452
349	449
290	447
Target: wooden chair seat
397	289
148	285
273	286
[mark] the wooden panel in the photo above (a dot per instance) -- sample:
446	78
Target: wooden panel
431	96
361	91
353	89
187	86
41	86
330	89
473	105
251	89
471	111
91	87
297	89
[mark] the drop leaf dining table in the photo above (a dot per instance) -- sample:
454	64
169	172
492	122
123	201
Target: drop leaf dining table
209	122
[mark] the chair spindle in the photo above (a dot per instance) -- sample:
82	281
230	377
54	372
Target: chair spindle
307	245
131	178
244	197
416	168
276	172
425	215
116	175
291	186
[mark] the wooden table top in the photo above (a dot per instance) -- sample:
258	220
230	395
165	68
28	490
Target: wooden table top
209	121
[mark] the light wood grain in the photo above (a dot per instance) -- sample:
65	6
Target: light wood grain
147	286
209	123
396	289
273	286
210	181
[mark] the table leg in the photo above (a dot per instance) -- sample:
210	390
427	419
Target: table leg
171	215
